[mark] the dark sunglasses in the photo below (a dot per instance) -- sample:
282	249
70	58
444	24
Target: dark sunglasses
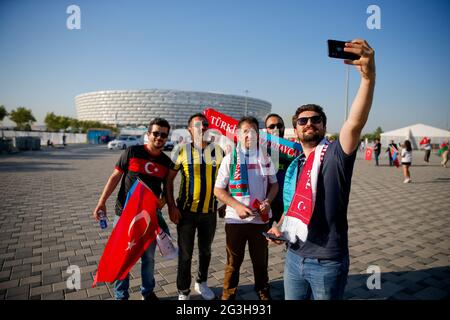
275	125
204	124
157	134
304	120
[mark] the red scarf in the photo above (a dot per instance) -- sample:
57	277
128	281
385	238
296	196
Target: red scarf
302	204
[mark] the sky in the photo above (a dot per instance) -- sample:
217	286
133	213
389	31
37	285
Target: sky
274	49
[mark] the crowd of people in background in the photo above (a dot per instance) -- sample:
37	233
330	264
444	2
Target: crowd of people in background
401	154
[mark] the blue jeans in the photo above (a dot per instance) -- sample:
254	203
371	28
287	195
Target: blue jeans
319	279
147	273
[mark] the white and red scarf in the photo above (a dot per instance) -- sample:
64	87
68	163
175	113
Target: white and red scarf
298	216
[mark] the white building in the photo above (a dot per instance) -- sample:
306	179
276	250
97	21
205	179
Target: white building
415	133
138	107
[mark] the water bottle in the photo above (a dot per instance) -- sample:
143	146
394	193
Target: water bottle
102	222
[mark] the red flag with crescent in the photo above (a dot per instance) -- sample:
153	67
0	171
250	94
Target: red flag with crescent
369	152
134	232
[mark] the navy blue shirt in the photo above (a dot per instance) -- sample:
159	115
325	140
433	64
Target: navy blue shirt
328	228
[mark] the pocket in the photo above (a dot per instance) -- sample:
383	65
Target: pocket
342	264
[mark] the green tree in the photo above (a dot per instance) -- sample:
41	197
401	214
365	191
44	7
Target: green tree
3	113
56	123
23	118
51	122
377	133
333	136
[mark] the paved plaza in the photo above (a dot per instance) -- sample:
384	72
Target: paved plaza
46	225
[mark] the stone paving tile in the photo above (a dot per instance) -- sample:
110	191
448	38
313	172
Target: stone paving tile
37	247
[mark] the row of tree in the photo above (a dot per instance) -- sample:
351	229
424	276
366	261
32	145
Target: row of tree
24	118
21	116
58	123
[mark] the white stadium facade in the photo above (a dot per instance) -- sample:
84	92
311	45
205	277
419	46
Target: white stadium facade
138	107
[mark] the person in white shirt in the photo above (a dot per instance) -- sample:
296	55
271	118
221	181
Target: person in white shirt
246	175
406	160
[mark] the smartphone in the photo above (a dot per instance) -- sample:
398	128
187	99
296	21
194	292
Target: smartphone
336	50
271	236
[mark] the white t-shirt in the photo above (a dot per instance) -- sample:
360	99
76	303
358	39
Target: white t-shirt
257	188
406	156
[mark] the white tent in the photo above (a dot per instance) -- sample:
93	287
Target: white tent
415	133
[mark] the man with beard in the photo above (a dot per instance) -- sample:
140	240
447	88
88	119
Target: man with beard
316	193
149	164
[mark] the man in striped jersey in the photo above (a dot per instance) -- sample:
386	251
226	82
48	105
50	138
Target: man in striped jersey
196	205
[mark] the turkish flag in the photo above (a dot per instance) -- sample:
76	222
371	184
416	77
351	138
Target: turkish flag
423	141
369	152
134	232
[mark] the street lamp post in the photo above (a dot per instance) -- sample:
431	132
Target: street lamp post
346	92
246	105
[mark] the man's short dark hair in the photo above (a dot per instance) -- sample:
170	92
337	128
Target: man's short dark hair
195	115
277	116
309	107
248	119
159	122
273	115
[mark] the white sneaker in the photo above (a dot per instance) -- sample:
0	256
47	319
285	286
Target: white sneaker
202	288
407	181
182	296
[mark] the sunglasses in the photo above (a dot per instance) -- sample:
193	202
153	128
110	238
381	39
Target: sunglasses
157	134
204	124
275	125
304	120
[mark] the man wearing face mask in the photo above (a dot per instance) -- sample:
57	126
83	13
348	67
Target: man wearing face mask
275	126
246	175
196	206
316	193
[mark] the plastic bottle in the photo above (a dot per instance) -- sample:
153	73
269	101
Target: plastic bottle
102	221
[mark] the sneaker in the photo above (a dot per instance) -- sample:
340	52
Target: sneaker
202	288
151	297
407	181
182	296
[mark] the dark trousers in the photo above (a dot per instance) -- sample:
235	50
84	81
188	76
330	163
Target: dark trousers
205	223
237	235
376	158
426	158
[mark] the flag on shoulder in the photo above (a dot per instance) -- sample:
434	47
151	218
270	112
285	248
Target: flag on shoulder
394	155
425	140
134	232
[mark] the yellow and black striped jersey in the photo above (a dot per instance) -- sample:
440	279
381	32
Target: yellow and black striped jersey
198	177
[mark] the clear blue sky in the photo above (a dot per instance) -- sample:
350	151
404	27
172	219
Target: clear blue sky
274	49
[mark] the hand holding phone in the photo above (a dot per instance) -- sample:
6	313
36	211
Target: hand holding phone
271	236
336	50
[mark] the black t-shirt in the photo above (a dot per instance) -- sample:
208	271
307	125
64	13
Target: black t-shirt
328	228
377	148
136	162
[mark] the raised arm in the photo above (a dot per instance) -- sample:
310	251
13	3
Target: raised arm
351	130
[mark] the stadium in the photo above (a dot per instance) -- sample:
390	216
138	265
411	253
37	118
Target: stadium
137	107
